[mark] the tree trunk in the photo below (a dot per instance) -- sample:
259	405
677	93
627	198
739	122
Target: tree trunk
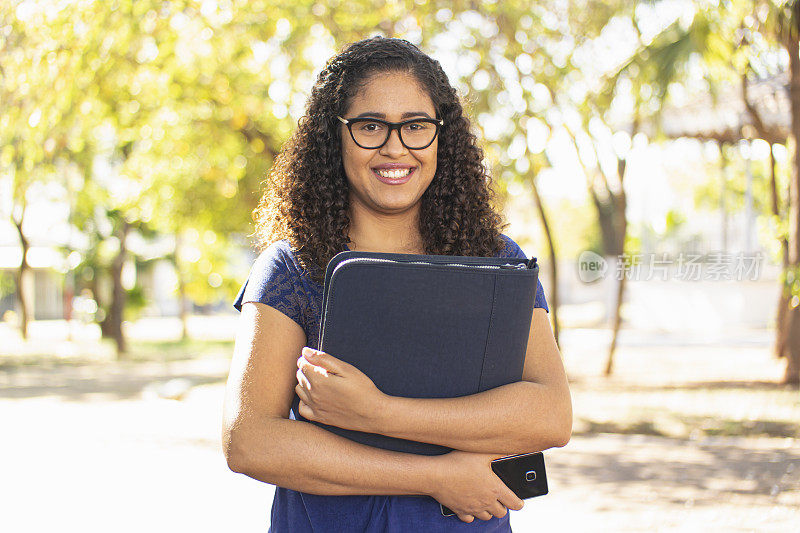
611	205
615	326
94	287
605	218
781	324
117	308
792	374
620	231
723	191
184	307
68	293
553	263
22	278
792	346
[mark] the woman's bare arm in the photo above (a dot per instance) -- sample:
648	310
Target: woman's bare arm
530	415
261	442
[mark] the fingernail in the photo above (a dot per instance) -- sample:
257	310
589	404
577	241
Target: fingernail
308	352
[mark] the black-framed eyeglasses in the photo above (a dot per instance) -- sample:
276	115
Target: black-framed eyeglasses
372	133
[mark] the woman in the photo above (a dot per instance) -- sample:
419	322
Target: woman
383	160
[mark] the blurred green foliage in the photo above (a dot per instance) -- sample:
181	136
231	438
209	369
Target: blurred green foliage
163	116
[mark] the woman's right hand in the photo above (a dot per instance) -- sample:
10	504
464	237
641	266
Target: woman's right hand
466	483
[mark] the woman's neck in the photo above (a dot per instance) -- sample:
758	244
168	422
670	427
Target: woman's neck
376	232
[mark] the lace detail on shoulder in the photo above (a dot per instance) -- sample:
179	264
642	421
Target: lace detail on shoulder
272	281
511	248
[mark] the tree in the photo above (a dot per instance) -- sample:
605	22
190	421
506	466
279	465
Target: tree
729	44
785	26
32	131
173	107
164	112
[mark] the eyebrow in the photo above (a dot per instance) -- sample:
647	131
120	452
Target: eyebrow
407	114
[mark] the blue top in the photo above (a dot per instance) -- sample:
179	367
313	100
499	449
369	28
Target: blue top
277	279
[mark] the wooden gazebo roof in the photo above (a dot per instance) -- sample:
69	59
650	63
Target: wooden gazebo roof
728	119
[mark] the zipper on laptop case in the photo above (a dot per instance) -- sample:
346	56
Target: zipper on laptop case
531	263
506	266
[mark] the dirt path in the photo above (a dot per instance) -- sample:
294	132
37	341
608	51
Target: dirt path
639	483
98	447
102	451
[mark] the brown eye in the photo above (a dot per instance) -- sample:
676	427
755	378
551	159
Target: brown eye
371	127
416	127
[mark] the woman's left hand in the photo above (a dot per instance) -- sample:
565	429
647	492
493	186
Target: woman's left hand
336	393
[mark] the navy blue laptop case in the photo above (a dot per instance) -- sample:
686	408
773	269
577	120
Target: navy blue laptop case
425	326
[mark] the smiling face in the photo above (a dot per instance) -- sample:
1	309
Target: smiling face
390	179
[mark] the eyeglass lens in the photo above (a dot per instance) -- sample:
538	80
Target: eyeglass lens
370	134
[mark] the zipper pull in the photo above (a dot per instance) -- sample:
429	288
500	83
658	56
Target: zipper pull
532	262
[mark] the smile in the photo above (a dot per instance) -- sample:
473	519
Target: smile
394	176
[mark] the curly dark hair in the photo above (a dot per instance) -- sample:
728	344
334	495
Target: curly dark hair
306	196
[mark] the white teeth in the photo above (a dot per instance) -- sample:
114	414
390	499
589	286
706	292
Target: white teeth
394	174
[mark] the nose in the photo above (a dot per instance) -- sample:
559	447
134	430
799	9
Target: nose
393	147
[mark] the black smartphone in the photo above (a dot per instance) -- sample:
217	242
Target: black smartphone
523	473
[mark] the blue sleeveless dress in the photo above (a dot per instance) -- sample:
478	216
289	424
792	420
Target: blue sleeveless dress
277	279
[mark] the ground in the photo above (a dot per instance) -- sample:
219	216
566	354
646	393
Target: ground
690	435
